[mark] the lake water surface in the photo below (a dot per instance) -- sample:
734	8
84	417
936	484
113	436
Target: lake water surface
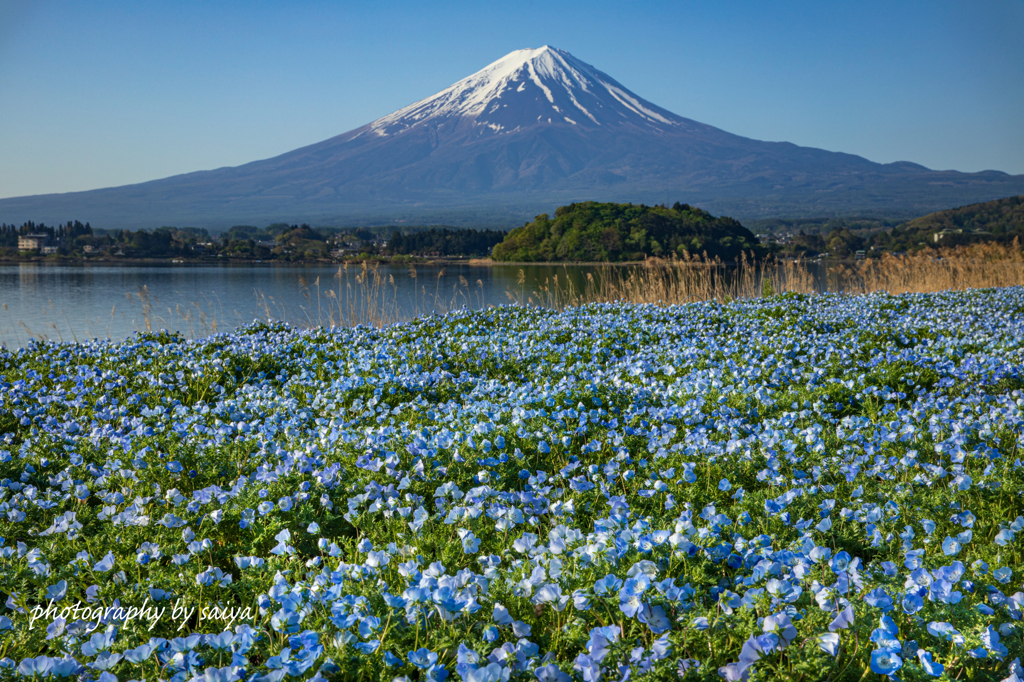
85	301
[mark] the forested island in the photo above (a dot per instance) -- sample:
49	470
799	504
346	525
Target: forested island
591	231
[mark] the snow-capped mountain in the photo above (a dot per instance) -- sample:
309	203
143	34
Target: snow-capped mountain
527	87
533	130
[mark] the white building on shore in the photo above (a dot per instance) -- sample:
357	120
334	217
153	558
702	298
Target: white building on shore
33	242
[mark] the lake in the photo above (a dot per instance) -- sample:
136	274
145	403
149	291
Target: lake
78	302
86	301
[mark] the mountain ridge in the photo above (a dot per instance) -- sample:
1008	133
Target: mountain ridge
532	130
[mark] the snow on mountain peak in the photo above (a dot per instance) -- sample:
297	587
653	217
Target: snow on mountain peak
527	87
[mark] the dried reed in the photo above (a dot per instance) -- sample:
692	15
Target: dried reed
975	266
667	282
698	278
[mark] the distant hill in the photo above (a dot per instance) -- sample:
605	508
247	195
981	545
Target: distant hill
1001	221
537	128
597	232
998	221
1002	217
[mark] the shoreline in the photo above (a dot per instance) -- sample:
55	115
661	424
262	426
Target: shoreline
221	261
475	262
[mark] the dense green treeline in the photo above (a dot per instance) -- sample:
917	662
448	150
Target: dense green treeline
72	230
445	242
76	239
278	241
582	232
593	231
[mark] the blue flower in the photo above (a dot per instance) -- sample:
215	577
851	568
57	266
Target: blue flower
655	618
607	585
105	564
601	639
551	673
66	667
282	546
590	670
368	625
31	667
990	638
630	605
945	631
213	674
912	603
367	647
879	599
950	547
932	667
58	591
829	643
105	660
470	542
842	620
501	616
913	560
521	629
884	662
422	658
886	637
54	629
840	562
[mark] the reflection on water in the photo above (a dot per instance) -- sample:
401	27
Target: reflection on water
79	302
84	301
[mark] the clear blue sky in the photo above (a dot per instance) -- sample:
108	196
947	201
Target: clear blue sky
95	94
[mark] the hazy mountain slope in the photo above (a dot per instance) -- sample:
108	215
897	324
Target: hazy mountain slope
534	129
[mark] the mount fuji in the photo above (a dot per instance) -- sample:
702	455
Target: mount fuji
534	129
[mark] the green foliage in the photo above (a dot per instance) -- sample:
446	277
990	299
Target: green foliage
598	232
445	242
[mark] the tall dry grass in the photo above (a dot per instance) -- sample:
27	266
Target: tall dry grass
667	282
365	295
697	278
976	266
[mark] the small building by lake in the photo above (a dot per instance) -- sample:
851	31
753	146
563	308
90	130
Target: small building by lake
33	242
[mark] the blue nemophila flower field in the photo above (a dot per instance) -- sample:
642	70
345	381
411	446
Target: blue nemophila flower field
790	488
